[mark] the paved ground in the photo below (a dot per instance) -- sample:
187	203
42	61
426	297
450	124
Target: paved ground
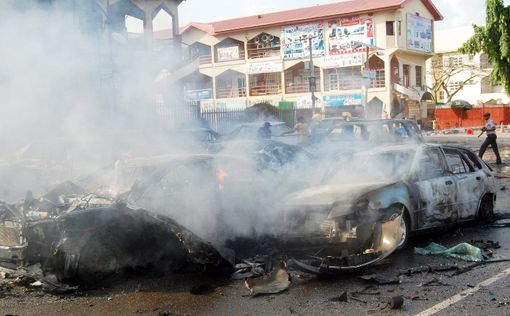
483	291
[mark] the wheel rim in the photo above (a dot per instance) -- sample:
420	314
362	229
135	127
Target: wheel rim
403	226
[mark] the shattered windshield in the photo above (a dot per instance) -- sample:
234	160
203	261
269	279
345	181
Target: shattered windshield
368	167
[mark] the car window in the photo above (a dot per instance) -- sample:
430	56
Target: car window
473	159
456	163
399	130
430	164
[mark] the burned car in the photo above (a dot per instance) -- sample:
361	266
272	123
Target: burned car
369	203
85	237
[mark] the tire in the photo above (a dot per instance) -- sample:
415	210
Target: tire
486	211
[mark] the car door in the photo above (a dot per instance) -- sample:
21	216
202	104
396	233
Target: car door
437	190
469	181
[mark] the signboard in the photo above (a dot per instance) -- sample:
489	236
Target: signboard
369	73
419	33
295	43
341	33
228	53
342	100
200	94
224	106
349	60
266	67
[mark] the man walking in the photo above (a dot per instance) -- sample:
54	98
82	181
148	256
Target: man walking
490	130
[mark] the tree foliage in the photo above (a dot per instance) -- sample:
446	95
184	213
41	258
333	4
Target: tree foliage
494	40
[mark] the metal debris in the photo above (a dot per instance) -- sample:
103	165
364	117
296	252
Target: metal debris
381	280
273	283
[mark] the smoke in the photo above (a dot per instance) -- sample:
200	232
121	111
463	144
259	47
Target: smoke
75	95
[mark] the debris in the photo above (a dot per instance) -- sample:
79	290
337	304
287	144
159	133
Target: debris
486	245
274	283
395	302
342	298
435	282
463	251
202	289
381	280
429	268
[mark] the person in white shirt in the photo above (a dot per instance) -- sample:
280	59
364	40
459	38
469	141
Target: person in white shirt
490	130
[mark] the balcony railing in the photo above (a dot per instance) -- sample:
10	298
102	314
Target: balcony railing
265	90
263	53
297	88
205	59
225	93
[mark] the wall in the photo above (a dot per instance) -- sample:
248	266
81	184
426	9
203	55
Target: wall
452	118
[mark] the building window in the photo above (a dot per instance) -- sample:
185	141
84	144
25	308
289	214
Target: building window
379	81
441	95
390	28
454	86
406	71
265	84
418	76
346	78
455	61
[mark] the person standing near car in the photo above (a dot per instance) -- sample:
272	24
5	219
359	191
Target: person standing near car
490	130
303	133
265	131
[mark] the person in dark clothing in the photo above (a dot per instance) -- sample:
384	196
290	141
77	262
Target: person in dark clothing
490	130
265	131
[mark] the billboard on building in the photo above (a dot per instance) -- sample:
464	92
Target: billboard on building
228	53
343	32
342	100
349	60
265	67
419	33
295	43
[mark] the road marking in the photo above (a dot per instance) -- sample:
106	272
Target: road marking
462	295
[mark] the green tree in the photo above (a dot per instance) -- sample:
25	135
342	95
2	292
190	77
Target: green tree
494	40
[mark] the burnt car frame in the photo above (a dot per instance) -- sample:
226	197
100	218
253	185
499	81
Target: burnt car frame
352	221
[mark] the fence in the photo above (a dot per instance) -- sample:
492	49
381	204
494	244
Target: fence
226	120
452	118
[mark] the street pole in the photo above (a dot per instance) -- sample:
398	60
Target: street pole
312	80
365	97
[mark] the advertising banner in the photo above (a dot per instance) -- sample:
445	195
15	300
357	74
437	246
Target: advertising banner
202	94
419	33
228	53
341	61
342	100
266	67
341	33
295	43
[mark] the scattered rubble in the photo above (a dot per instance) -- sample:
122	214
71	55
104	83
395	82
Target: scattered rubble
273	283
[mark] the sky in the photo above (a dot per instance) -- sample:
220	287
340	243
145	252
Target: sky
456	13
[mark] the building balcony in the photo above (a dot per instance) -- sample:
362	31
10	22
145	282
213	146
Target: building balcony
228	93
263	90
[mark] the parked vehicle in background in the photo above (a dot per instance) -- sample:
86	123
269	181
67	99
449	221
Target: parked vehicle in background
370	201
375	131
249	131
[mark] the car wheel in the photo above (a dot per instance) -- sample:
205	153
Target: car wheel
405	224
486	211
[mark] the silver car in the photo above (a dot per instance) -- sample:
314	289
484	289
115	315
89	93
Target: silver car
369	202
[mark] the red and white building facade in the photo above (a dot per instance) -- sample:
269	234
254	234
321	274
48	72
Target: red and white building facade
265	58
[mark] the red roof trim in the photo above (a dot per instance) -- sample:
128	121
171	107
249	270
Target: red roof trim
305	15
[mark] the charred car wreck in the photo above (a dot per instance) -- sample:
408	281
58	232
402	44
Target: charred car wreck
86	237
362	214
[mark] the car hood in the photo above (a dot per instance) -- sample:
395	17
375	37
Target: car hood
327	195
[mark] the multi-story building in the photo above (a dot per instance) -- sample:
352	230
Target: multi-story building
455	76
266	57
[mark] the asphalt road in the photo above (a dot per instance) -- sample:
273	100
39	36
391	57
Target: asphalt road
485	290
